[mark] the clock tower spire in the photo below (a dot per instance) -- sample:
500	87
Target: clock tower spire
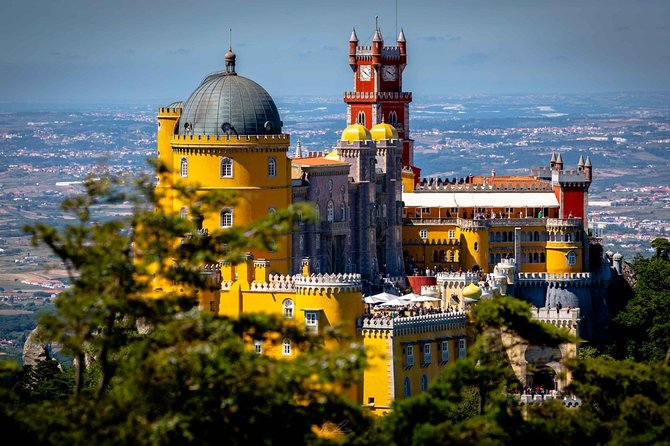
377	95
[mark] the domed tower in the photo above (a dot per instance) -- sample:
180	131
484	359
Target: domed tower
228	136
357	148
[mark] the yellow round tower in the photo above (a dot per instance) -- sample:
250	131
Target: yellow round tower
474	245
228	136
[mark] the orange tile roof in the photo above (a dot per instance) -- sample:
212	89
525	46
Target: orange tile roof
317	161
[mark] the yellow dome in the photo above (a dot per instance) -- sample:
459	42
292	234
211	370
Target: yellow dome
383	131
356	132
472	291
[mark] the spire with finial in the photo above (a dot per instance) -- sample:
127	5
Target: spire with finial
580	163
230	56
401	36
354	37
553	157
298	149
587	163
378	35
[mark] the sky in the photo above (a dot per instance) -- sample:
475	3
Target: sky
158	51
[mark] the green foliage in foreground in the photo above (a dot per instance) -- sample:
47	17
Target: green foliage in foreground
160	372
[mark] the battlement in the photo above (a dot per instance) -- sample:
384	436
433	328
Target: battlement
554	276
374	96
335	283
564	222
281	138
415	324
169	111
439	185
465	277
569	176
567	318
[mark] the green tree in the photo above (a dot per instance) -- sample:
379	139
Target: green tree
643	326
186	376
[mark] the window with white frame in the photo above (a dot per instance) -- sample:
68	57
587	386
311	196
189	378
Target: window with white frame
424	382
444	350
183	213
409	355
272	211
184	167
452	233
287	347
461	348
226	168
258	346
427	357
272	166
226	218
343	212
572	258
331	211
288	305
408	389
423	233
360	118
312	321
393	118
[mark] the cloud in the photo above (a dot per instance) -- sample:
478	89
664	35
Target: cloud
68	56
440	38
472	59
179	51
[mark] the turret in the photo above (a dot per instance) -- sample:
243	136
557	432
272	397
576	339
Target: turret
402	46
580	164
353	44
377	45
558	165
588	169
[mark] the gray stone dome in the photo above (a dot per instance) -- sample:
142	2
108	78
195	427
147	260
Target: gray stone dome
226	103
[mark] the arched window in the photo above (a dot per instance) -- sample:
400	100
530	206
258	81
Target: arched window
504	237
497	236
408	389
510	236
184	167
226	218
331	211
536	236
272	166
476	246
542	257
360	119
424	382
272	211
451	256
393	118
492	259
343	212
288	307
572	258
301	243
536	258
436	256
183	213
287	347
226	168
497	258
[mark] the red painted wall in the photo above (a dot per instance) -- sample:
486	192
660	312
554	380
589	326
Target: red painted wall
416	282
573	202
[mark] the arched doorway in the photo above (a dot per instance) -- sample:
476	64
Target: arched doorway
544	378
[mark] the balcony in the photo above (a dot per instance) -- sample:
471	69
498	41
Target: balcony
564	222
335	227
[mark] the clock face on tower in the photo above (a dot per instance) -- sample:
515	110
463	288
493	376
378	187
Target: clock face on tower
389	72
365	72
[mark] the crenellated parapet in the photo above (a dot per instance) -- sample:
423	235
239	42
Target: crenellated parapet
564	223
429	323
567	318
556	280
328	283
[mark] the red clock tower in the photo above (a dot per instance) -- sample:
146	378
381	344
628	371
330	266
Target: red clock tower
378	95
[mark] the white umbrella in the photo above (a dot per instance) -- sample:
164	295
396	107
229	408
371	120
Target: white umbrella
394	303
413	297
379	298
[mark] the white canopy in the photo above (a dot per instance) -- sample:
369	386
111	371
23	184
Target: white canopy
397	302
379	298
481	199
413	297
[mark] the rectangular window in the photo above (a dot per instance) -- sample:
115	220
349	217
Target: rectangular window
445	351
311	321
461	348
409	355
452	233
425	210
423	233
427	357
258	346
287	347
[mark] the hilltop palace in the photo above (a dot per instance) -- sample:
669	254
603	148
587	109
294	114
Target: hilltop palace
383	227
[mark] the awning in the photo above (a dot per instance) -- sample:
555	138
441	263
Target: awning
480	199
